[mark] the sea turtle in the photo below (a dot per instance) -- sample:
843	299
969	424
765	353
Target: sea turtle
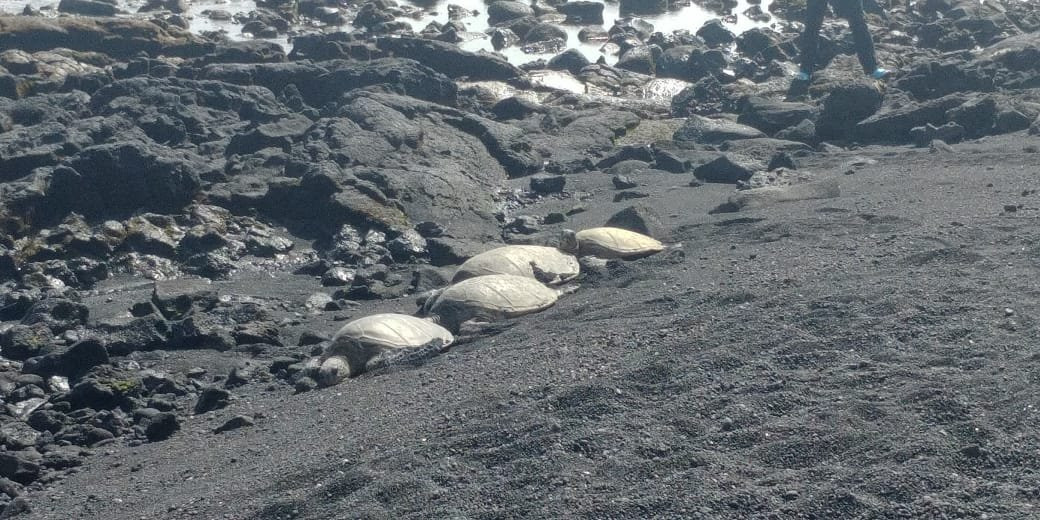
370	337
545	264
609	242
489	298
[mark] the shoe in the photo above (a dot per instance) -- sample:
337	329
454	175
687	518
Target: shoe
802	76
879	73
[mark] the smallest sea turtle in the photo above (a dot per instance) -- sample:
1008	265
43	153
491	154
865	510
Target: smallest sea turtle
361	340
609	242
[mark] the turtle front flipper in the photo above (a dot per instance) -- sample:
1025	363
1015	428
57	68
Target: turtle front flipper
544	276
392	359
569	289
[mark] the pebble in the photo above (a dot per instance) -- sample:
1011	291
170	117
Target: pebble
554	218
234	423
622	182
629	195
546	184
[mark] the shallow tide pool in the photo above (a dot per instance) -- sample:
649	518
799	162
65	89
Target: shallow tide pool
688	18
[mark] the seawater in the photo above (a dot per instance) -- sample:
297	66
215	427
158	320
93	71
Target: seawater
688	18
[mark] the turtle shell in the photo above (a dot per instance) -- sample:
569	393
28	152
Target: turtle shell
611	242
492	297
546	264
362	338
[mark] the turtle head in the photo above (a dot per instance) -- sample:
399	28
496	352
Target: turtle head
569	241
446	316
333	370
426	300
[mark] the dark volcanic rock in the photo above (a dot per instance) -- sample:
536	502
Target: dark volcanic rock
804	131
708	63
326	82
544	32
17	435
949	133
87	7
48	420
234	423
118	179
174	6
84	355
212	398
893	125
161	426
21	466
772	116
627	153
640	218
280	134
372	14
582	12
256	51
98	395
502	38
699	129
976	116
715	34
727	169
674	62
935	79
118	37
59	314
627	167
571	60
845	106
582	136
449	59
668	161
756	40
22	342
1007	120
505	10
25	149
84	435
705	97
548	183
644	6
450	251
639	59
407	247
252	333
622	182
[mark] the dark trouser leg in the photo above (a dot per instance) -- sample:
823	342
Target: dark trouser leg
814	11
853	12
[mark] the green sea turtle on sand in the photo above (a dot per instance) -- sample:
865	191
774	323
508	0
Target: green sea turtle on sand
546	264
609	242
489	298
379	337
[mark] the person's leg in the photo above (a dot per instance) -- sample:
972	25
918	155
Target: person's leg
852	10
814	11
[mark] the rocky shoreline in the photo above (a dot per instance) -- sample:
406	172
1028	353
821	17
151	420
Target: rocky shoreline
148	174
